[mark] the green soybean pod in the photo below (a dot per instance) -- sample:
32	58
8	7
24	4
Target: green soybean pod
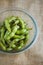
7	25
6	35
21	44
22	31
9	49
2	46
13	46
13	32
15	29
19	37
13	42
26	38
22	24
16	21
2	35
2	32
11	19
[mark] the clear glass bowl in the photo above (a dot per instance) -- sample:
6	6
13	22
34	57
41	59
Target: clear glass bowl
30	21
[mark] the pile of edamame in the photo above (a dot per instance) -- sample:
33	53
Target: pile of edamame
14	34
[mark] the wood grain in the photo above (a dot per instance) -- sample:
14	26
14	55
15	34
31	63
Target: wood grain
34	56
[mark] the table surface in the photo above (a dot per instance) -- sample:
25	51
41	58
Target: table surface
34	56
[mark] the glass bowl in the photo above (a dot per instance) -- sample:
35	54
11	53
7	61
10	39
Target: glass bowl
30	21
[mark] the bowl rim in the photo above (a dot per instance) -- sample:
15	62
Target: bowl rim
35	25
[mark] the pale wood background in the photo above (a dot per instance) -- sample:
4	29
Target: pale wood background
34	56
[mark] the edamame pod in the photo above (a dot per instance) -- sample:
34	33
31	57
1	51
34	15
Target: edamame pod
13	42
9	49
2	46
21	44
21	22
19	37
16	22
6	35
26	38
2	35
22	31
7	25
11	19
13	32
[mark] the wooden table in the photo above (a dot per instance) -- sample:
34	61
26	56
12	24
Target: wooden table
34	56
